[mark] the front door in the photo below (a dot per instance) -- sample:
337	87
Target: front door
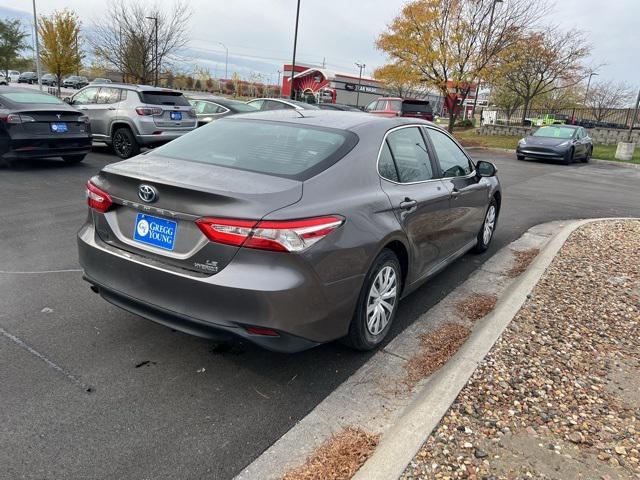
469	194
104	111
419	199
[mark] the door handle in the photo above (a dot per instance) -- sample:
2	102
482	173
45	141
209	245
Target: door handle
408	204
111	108
455	193
83	108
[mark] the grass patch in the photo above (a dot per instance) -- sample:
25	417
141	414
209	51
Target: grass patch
438	346
469	138
339	458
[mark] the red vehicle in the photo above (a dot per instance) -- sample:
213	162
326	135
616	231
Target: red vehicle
399	107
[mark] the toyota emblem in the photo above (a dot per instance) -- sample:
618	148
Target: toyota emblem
147	193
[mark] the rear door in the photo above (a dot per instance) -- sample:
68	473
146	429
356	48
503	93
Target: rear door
469	194
419	199
104	110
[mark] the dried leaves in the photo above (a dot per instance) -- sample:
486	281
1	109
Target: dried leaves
522	260
476	306
338	458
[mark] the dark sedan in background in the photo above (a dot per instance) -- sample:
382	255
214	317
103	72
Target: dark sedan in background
209	107
28	77
287	230
49	80
75	81
566	143
37	125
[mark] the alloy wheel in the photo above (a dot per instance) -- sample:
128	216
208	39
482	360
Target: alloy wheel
489	224
381	300
121	143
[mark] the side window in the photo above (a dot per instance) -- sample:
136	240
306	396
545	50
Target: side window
258	104
410	154
371	106
86	96
395	105
123	95
108	95
386	166
453	161
213	108
271	105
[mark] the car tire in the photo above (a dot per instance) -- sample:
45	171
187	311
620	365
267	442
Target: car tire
124	143
72	159
587	157
488	228
381	289
568	157
520	157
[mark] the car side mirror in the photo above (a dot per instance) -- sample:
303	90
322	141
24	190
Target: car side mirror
67	100
486	169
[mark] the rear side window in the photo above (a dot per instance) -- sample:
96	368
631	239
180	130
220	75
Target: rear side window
409	152
386	166
395	105
274	148
164	98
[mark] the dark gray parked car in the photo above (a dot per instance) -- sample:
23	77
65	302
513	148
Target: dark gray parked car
557	142
288	230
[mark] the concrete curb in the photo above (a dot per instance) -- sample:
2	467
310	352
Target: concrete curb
403	440
595	160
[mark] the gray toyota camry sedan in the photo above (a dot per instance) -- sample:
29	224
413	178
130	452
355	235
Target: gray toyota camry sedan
286	228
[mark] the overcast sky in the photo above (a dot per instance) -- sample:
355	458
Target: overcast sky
259	33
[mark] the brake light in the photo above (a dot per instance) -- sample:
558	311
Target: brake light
280	236
14	118
266	332
83	119
146	111
97	199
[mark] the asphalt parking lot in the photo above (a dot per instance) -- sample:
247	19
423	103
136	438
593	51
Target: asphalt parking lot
89	391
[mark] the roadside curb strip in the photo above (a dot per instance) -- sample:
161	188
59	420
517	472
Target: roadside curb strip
595	160
403	440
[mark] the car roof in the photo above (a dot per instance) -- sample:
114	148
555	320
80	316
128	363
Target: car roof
331	118
561	125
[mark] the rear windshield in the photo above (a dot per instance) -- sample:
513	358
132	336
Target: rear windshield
416	106
555	132
274	148
164	98
28	97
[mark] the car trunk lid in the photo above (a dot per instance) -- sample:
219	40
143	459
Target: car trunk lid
185	191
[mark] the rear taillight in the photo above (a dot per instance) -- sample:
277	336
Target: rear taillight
97	199
15	118
192	112
83	119
281	236
145	111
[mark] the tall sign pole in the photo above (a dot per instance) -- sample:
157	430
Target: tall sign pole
35	32
295	43
633	118
360	66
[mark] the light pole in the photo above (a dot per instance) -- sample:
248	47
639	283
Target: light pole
155	56
295	44
226	61
493	11
586	94
35	31
279	89
361	67
77	55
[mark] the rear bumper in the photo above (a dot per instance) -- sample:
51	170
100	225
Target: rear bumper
245	293
25	148
163	136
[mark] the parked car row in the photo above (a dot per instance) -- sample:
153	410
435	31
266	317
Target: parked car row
48	79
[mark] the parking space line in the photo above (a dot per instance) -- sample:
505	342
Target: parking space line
46	360
71	270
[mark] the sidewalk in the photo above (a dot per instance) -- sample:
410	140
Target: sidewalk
558	396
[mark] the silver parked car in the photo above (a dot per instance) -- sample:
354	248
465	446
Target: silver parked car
130	116
286	229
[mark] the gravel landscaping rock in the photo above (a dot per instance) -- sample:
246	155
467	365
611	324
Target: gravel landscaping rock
558	395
